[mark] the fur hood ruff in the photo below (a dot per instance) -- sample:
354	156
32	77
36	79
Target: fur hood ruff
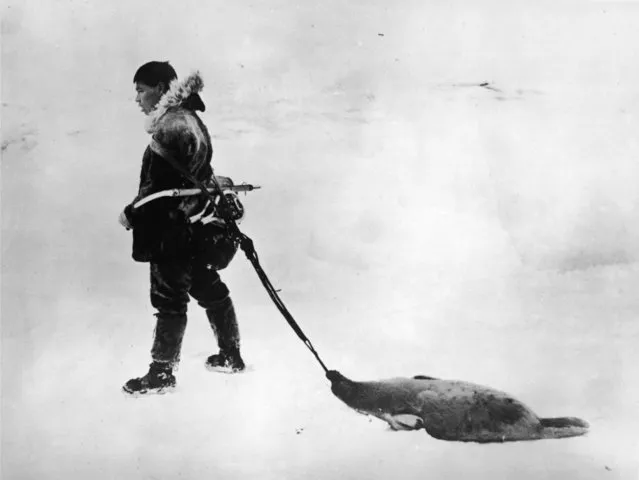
180	94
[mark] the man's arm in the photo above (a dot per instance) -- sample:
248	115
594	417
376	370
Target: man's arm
174	137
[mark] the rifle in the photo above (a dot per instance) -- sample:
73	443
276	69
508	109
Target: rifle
225	183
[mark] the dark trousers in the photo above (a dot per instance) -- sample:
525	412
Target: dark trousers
172	284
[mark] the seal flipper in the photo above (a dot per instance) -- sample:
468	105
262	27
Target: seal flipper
403	421
563	427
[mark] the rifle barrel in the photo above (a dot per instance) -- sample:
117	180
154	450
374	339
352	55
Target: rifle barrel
239	188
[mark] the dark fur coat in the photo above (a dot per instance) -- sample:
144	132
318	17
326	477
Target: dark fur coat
160	228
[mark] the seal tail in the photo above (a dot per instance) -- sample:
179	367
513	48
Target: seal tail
562	427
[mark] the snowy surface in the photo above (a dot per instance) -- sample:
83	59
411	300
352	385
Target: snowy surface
416	222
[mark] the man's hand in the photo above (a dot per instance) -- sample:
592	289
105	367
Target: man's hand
124	221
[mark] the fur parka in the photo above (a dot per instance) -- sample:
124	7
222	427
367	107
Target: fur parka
160	228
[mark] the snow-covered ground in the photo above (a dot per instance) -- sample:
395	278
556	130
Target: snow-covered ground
416	221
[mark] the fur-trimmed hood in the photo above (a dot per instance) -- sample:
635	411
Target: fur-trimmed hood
181	94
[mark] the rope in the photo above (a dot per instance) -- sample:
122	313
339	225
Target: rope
246	244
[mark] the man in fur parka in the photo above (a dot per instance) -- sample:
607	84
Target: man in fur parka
184	257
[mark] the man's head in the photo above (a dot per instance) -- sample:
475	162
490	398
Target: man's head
152	80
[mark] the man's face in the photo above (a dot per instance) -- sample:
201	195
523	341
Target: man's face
148	97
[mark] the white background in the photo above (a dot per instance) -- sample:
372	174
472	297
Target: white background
416	222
